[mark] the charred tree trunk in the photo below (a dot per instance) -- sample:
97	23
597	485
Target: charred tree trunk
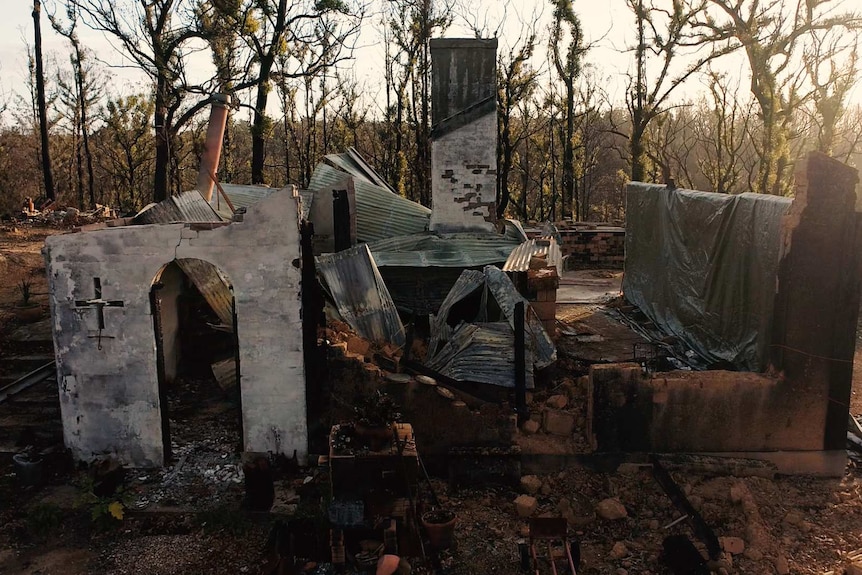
163	148
48	176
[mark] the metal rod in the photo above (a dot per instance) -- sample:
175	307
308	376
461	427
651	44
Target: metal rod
29	380
569	556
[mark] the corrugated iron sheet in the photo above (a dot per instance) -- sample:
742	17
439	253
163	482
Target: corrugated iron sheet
354	164
547	247
481	353
354	282
380	214
428	249
514	230
493	352
468	283
185	207
213	286
241	196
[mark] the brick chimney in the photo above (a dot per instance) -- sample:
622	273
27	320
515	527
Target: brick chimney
464	134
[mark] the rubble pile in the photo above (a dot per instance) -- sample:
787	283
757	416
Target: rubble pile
206	474
764	525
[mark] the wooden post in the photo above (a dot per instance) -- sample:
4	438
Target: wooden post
520	365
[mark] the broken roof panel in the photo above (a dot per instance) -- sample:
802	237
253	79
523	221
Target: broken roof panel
241	196
214	287
354	164
185	207
492	352
513	230
380	214
465	250
363	301
481	353
547	248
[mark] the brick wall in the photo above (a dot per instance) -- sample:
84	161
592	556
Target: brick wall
464	177
601	247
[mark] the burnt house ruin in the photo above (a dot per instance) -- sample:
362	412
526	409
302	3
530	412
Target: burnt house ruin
762	292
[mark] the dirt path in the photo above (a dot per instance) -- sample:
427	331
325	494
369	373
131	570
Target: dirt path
22	269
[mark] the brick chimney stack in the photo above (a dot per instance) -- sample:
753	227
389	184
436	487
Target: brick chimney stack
464	134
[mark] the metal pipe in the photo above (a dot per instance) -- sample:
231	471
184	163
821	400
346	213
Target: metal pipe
212	145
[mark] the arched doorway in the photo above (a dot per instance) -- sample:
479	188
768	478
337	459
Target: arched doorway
197	354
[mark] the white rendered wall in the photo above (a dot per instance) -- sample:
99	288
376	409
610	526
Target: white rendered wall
109	398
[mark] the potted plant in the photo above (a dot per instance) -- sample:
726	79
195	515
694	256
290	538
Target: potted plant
439	526
374	415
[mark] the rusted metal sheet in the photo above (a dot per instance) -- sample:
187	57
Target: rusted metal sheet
545	247
380	214
213	285
185	207
354	282
419	291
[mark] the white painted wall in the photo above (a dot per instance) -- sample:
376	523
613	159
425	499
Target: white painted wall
464	177
109	397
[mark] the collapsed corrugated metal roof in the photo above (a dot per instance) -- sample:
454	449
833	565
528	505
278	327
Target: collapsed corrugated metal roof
353	163
185	207
481	353
514	230
380	214
213	286
354	283
546	248
465	250
241	196
484	298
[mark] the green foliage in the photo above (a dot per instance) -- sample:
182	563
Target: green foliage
106	513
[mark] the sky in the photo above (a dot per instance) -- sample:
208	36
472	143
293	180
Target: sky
608	25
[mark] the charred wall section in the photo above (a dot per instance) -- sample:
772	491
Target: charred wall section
109	389
799	408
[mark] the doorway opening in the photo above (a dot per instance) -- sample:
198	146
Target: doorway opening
197	352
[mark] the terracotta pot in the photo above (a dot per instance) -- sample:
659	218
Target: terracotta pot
441	535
